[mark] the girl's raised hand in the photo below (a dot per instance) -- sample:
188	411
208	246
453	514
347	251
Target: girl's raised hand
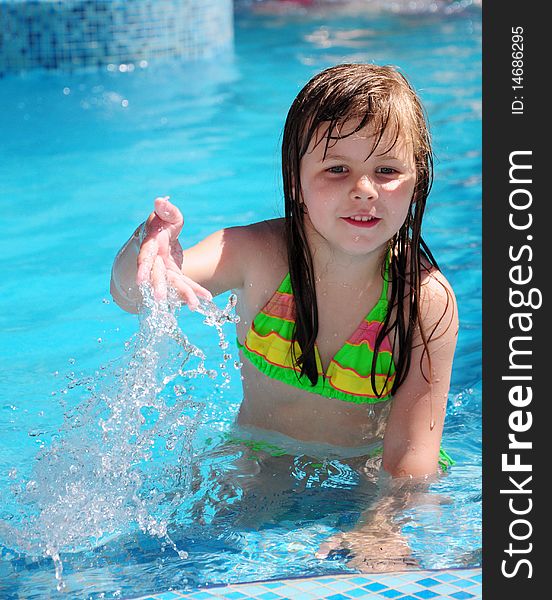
160	256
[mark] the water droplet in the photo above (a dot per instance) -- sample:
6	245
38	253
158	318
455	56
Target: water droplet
432	424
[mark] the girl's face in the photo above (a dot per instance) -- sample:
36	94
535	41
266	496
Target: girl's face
357	204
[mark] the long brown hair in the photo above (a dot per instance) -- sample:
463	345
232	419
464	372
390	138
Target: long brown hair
381	97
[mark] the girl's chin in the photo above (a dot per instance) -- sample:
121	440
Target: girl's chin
359	251
359	247
351	243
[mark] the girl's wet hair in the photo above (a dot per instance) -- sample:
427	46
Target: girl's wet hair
360	95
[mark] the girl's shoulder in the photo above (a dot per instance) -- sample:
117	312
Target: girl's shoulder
438	307
434	286
264	245
267	231
266	236
264	258
262	236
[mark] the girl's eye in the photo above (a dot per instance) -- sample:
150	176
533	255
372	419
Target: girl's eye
339	169
387	171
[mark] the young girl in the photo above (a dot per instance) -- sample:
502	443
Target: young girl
347	327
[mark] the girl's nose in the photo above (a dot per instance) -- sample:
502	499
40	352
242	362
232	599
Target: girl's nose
364	189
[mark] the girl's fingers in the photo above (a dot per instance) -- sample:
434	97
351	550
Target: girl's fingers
146	258
161	271
168	212
159	279
333	543
198	289
171	263
184	290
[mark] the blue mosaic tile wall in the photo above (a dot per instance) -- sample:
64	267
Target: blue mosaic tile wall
71	34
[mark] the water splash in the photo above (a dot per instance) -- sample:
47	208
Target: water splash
121	461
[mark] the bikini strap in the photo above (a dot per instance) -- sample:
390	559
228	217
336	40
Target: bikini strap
285	286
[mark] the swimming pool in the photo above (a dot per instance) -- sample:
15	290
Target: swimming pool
82	159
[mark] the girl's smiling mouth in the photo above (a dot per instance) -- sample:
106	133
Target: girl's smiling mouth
362	220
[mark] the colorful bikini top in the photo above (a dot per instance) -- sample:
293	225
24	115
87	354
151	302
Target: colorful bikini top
268	347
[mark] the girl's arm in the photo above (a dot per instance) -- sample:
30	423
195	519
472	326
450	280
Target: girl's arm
376	542
412	441
413	434
153	254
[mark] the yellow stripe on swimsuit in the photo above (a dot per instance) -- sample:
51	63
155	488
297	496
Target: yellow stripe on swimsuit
268	347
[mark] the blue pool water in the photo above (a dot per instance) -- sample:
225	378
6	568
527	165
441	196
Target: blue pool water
83	156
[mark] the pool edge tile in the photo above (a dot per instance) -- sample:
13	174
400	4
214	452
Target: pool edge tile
361	585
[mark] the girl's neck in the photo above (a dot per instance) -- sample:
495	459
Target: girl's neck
333	267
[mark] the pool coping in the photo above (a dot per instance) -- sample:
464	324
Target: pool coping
450	584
